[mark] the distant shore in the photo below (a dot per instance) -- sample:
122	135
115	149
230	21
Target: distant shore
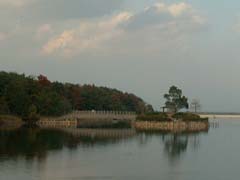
220	116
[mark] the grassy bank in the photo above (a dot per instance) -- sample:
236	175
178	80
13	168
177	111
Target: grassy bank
188	117
178	122
159	117
164	117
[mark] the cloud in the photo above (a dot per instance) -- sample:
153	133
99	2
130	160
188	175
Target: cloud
163	14
178	9
15	3
43	31
175	9
89	35
59	43
153	26
3	36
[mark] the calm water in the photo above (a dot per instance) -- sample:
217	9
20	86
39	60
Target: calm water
34	154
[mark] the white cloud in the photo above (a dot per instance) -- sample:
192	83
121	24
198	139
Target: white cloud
161	13
89	35
178	9
175	9
15	3
154	25
59	43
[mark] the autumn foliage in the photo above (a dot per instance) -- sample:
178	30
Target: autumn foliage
18	93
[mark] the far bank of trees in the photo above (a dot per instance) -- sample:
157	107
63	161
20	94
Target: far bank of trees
31	96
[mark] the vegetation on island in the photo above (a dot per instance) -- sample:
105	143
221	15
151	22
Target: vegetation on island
187	116
30	97
175	101
156	116
163	117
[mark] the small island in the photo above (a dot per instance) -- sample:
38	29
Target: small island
173	120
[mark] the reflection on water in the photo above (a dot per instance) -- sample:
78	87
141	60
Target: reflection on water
35	153
67	154
30	143
36	142
175	144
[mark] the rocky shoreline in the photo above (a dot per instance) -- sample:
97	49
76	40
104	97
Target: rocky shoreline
175	126
9	121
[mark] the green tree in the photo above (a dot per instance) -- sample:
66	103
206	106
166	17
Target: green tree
19	92
32	116
175	101
3	106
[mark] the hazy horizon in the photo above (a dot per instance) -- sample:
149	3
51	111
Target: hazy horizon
138	46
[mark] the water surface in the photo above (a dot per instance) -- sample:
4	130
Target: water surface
44	154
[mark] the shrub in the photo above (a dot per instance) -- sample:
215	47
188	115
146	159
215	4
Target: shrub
153	117
188	117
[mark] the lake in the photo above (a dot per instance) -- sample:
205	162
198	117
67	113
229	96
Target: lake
45	154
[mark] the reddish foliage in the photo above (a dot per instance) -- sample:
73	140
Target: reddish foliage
43	80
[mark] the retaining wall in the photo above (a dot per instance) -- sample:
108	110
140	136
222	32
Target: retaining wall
55	122
171	126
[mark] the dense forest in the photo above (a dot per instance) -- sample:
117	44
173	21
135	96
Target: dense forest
20	95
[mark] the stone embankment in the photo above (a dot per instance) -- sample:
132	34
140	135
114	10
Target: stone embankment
10	122
50	122
178	126
89	119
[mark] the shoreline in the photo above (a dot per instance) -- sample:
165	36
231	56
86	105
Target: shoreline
10	122
173	126
220	116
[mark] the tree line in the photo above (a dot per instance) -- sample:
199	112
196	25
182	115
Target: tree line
26	95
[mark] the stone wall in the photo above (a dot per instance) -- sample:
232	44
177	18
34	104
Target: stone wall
171	126
55	122
89	119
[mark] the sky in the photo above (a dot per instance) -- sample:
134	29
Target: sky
139	46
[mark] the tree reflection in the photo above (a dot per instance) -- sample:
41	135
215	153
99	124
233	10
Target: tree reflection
33	143
175	144
30	142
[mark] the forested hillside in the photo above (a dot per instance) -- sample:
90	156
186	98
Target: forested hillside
20	94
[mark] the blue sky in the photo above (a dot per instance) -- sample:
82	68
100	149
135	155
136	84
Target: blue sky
139	46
